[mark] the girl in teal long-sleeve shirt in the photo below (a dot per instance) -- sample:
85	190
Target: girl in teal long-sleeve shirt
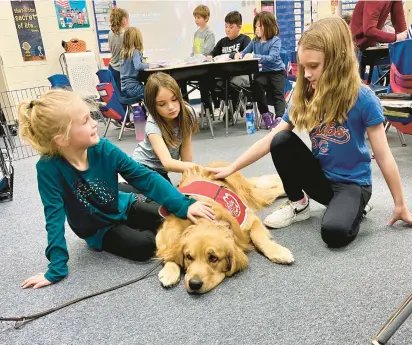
77	179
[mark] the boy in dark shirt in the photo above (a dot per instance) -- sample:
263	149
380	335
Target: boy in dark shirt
233	43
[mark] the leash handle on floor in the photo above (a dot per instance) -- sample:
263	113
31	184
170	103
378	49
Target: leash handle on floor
22	320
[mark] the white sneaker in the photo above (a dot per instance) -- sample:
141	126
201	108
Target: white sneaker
368	208
288	213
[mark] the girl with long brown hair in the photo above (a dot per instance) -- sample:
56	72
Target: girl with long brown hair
167	145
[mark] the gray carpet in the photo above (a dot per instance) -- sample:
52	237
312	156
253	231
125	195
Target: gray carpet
327	297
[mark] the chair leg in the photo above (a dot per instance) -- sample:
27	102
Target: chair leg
209	120
236	113
387	126
124	122
401	138
221	109
106	127
258	117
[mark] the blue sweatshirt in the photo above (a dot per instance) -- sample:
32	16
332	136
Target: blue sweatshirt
129	71
91	200
268	52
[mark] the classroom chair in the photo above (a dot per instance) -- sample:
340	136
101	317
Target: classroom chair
105	76
400	82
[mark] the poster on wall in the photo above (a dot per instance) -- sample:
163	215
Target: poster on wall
72	14
28	30
102	19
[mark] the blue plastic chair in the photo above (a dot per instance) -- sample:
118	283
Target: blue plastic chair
401	82
105	76
59	81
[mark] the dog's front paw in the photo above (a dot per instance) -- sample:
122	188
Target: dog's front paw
280	255
169	275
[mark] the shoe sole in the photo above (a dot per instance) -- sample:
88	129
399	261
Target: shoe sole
298	218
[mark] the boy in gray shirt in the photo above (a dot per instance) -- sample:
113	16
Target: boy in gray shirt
204	38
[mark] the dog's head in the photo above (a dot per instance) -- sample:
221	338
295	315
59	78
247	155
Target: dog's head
210	252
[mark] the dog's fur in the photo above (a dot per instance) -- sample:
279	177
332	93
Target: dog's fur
211	251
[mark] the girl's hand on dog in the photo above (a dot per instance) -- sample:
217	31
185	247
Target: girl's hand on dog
36	282
221	173
200	209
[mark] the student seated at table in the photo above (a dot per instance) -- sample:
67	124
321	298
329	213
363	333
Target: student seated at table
167	145
271	80
231	44
369	18
131	63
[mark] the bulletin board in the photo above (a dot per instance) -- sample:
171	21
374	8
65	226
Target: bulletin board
101	10
293	18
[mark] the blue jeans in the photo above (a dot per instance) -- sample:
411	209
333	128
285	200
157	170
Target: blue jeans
134	91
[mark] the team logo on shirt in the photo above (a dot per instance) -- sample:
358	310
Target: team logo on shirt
322	135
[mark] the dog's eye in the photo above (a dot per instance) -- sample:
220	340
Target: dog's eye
189	257
212	258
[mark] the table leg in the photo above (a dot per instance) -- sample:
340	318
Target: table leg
202	113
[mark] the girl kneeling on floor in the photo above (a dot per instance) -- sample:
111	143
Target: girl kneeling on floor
330	102
77	178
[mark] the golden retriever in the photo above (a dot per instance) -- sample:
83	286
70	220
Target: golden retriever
211	251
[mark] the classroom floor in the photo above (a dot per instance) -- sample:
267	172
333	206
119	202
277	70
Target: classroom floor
328	297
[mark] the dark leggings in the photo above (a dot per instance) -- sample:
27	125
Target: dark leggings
269	87
301	171
135	238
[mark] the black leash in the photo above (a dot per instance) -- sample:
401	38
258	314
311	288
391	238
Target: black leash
22	320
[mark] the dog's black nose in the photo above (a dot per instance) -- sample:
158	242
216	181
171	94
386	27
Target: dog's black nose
195	284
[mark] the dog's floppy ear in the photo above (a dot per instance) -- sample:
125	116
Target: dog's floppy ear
236	261
172	251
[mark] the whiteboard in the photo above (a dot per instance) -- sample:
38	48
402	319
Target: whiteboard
168	26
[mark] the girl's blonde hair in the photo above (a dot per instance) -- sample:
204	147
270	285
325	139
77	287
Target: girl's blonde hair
42	120
116	19
132	40
187	122
338	87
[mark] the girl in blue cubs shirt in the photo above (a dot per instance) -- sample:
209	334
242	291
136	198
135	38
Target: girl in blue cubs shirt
330	102
270	82
77	178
